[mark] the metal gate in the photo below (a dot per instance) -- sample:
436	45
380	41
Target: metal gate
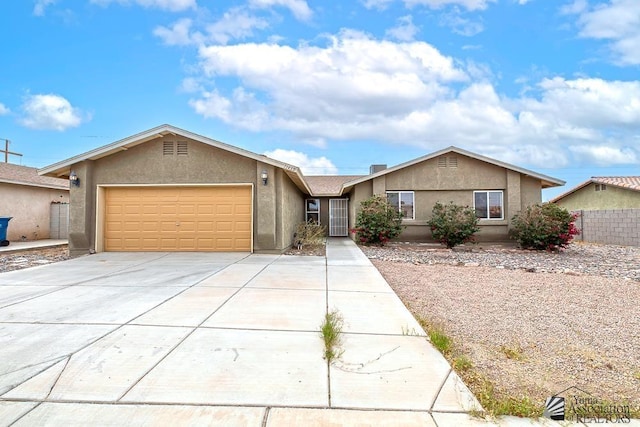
338	217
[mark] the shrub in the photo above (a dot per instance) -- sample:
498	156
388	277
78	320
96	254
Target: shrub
453	224
377	221
310	233
544	227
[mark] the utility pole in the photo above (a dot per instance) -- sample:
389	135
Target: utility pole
6	150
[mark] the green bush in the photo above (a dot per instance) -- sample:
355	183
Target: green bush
453	224
544	227
377	221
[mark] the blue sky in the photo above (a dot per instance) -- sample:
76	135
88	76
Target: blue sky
550	85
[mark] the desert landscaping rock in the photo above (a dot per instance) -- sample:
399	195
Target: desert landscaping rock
31	258
578	259
572	316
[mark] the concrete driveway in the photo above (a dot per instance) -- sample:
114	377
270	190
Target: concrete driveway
228	339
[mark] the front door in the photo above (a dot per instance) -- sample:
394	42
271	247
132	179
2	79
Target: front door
338	217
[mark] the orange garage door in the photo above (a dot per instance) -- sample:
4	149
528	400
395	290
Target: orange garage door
178	218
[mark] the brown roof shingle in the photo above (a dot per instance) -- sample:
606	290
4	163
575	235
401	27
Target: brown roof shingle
328	185
25	175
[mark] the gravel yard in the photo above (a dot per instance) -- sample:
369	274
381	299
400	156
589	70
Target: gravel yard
31	258
534	323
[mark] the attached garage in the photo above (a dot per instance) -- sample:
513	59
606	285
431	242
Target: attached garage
168	218
167	189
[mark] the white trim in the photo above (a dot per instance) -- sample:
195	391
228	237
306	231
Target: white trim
502	207
346	218
100	200
413	194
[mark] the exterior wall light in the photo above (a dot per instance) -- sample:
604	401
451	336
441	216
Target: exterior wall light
73	178
264	177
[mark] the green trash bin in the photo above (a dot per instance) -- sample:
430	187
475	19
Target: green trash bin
4	224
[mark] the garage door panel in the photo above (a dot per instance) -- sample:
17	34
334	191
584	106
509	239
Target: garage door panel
178	218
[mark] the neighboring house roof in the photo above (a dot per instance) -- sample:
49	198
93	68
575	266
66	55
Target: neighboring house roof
328	185
63	168
546	180
626	182
24	175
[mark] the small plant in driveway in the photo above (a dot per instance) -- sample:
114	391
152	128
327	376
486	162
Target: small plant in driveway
453	224
377	221
544	227
331	330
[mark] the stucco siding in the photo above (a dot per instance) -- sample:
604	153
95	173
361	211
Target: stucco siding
469	174
531	192
30	208
587	198
145	164
291	210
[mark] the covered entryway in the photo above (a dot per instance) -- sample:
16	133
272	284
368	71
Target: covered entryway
202	218
338	217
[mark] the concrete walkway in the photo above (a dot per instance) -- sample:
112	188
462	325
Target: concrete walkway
218	339
16	246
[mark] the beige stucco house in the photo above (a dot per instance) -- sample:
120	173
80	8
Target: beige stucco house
167	189
601	193
27	197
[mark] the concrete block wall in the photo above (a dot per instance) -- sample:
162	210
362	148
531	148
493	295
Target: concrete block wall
610	226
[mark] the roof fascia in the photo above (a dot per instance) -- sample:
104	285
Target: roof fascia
552	181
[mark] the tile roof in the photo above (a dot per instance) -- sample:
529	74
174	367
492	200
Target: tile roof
630	182
24	175
328	185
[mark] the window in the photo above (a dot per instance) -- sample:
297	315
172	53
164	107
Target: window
403	200
488	204
312	210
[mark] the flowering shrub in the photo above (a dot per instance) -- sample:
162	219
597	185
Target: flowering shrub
544	227
453	224
377	221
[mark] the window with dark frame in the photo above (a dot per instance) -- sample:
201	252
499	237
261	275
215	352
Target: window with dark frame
403	201
489	204
312	210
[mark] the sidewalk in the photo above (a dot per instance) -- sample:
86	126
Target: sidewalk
16	246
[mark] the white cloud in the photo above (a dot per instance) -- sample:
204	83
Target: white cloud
170	5
50	112
299	8
235	24
177	34
605	154
359	88
459	25
437	4
39	9
432	4
3	109
405	30
376	4
309	166
617	21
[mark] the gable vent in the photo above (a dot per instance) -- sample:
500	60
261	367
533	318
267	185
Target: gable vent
442	162
182	148
453	162
167	148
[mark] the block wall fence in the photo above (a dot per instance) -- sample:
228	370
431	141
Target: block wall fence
610	226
